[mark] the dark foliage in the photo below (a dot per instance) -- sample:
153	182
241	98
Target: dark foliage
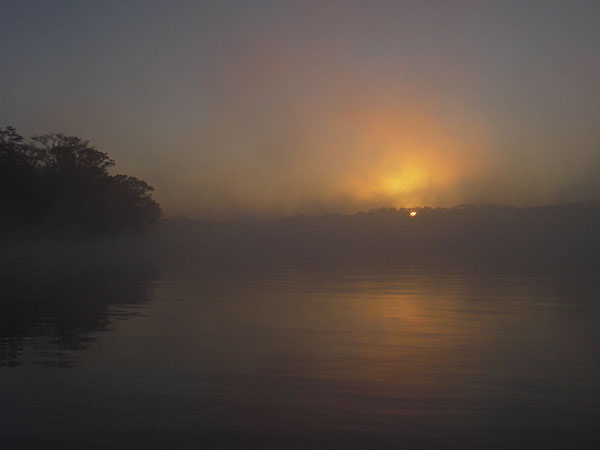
61	184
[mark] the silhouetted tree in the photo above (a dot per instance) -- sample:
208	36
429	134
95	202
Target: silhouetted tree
62	183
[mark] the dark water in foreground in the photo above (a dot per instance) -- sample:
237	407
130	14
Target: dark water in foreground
359	359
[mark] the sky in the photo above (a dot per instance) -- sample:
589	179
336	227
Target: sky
270	108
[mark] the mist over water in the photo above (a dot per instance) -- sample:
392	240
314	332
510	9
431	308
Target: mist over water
305	351
312	283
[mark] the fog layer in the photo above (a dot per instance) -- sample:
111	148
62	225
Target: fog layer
279	108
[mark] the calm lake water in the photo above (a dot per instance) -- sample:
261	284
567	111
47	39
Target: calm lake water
354	359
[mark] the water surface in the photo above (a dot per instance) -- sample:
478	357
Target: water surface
362	358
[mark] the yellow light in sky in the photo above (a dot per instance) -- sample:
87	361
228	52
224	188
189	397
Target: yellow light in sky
406	181
413	214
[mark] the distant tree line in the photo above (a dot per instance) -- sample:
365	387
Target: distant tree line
61	184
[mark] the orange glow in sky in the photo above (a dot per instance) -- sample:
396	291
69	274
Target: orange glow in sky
321	107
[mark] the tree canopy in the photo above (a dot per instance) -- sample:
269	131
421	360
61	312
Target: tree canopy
62	184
